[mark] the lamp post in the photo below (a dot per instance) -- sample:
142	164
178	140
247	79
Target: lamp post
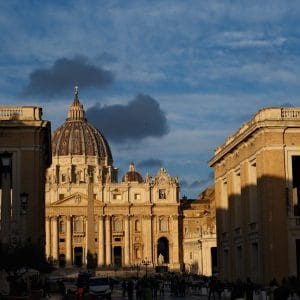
146	263
137	267
5	160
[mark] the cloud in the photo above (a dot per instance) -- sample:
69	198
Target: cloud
140	118
148	163
197	184
241	39
64	74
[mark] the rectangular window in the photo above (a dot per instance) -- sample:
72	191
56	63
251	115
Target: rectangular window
163	225
254	261
63	178
239	262
61	227
162	194
61	196
224	206
252	193
117	197
226	264
137	196
237	200
296	184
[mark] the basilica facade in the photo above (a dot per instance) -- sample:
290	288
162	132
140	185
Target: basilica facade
88	211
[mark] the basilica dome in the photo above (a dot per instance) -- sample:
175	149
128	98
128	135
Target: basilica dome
132	175
78	137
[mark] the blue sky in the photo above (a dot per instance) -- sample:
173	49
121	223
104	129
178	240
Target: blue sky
165	81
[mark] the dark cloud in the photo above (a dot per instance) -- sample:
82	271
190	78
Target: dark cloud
149	163
197	184
64	74
140	118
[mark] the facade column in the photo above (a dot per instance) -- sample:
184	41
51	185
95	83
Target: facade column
108	240
127	241
69	241
148	233
101	242
48	237
175	242
54	243
5	206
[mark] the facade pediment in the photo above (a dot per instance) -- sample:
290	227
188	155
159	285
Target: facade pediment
76	199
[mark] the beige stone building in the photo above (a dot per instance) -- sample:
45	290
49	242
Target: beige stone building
257	181
24	156
199	234
88	210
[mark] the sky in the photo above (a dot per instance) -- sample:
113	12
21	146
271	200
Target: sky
166	82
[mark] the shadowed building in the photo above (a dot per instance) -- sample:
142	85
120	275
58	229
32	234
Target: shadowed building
257	182
125	223
199	234
25	153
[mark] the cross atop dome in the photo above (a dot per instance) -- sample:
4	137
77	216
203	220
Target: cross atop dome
76	111
76	90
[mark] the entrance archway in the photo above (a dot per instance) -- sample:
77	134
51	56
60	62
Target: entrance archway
62	260
117	256
78	255
163	250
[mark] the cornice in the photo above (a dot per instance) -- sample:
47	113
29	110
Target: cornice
269	118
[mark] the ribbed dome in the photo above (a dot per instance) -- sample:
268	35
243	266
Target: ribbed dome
132	175
77	137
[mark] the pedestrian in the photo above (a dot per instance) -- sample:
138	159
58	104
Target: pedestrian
161	288
249	289
130	288
138	290
212	287
219	289
238	290
282	292
124	288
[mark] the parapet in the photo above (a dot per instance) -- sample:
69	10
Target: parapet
21	113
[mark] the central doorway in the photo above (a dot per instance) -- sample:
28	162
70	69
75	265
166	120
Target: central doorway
78	256
117	256
163	250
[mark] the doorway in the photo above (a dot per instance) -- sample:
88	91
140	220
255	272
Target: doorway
62	260
163	250
214	260
78	256
298	257
117	256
